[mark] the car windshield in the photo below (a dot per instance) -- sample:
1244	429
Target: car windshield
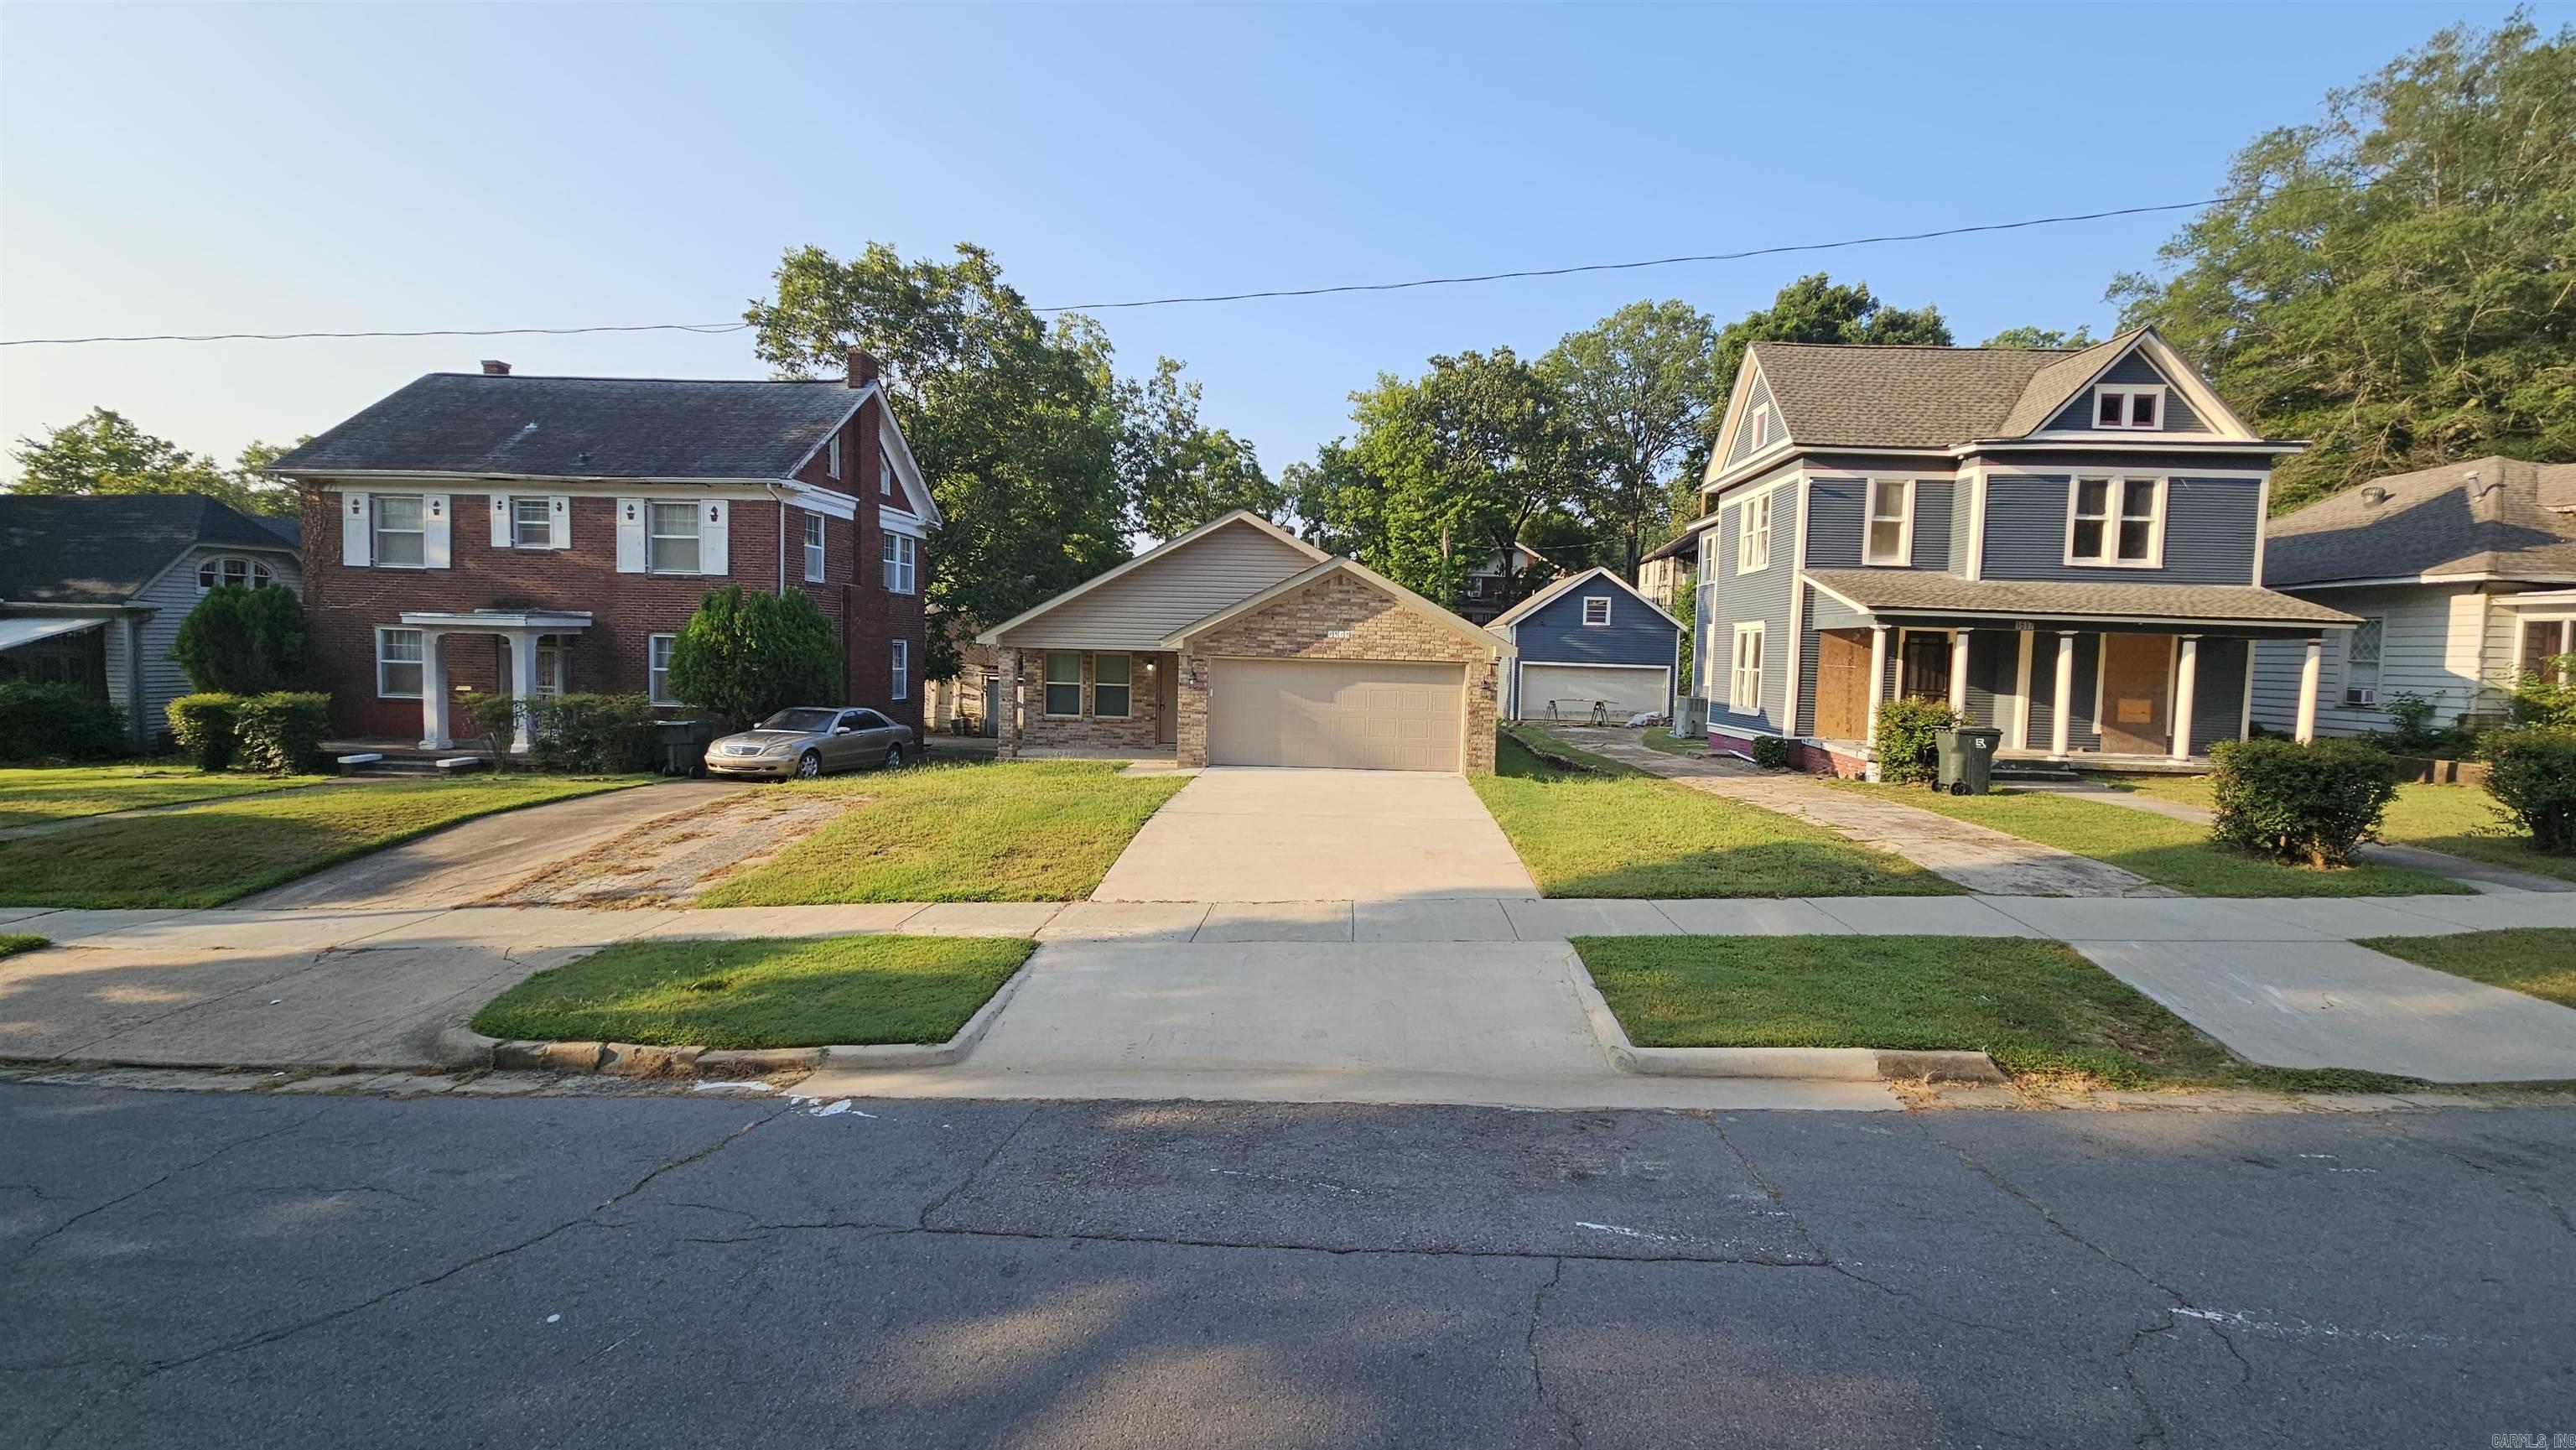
806	722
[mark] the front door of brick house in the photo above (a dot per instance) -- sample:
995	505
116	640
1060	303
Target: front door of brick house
2136	706
1167	698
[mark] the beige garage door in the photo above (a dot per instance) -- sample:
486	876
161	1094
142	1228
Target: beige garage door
1350	714
1623	690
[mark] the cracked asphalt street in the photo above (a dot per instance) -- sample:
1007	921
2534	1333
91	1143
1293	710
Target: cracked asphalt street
235	1269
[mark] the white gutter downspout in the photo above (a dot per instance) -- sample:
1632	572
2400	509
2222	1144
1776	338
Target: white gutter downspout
782	537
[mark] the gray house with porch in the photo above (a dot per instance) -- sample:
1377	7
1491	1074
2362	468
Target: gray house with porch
2066	545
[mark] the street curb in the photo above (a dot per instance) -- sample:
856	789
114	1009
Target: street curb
462	1047
1813	1064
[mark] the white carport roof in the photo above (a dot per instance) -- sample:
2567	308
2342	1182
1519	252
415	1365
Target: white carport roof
29	629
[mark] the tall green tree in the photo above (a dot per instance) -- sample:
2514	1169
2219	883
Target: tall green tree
1178	472
1641	385
1015	422
2040	337
1340	505
2393	282
743	657
105	453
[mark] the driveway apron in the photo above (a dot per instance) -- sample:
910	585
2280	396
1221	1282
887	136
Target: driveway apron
1319	835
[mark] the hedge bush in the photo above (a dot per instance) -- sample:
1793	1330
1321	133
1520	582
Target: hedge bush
281	732
1907	751
591	734
57	722
744	657
1770	752
2532	774
242	641
2306	804
205	727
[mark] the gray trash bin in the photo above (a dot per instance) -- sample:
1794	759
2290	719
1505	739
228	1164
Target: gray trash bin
1967	760
680	746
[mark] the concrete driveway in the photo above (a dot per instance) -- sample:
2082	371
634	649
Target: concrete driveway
1319	835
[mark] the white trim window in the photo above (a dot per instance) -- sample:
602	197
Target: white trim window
832	457
658	649
232	571
813	547
2116	523
1744	682
401	533
902	555
1753	534
885	476
532	524
1890	537
1111	678
902	682
2363	650
671	539
398	663
1063	683
2133	408
1596	611
1758	427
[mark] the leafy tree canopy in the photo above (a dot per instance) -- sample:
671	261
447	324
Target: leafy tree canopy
2041	337
1818	309
743	657
242	641
105	453
1641	385
1179	472
2393	282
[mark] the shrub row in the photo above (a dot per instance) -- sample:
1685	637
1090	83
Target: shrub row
276	733
580	734
2309	804
57	722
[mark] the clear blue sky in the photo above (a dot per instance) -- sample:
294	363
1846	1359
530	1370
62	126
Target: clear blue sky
255	168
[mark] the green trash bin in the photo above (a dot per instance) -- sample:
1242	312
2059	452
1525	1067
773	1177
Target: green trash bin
680	746
1967	759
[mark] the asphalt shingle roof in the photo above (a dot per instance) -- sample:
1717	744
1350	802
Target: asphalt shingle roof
101	548
2483	516
1854	396
607	428
1917	589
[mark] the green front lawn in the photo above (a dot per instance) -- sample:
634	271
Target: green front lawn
1038	830
774	992
2168	852
2457	820
1631	834
35	795
209	854
2037	1008
12	943
2539	960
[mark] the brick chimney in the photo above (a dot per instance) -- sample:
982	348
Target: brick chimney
863	367
494	367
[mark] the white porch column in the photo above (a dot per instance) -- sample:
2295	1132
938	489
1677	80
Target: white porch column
1877	680
523	684
2061	720
2311	672
433	691
1959	672
2186	686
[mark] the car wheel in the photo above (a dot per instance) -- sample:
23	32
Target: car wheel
894	757
809	765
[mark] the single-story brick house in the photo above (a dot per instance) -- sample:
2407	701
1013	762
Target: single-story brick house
1586	641
1238	643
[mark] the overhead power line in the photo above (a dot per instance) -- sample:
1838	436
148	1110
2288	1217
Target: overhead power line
711	328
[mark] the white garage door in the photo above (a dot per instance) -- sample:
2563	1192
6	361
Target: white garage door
1349	714
1624	690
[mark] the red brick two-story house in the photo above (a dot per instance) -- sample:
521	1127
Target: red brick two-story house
538	535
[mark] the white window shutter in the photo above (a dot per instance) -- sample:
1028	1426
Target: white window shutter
714	531
357	542
630	536
501	521
559	510
434	522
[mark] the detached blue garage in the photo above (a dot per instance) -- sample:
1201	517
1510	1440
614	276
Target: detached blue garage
1586	641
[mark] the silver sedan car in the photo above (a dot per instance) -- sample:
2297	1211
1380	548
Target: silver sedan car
807	740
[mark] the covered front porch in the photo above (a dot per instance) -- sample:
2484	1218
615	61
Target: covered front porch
532	643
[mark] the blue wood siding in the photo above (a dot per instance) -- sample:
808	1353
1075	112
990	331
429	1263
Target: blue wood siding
1636	635
1932	523
1743	598
2218	693
2210	529
1755	395
1833	523
1994	656
2081	734
2179	416
1963	512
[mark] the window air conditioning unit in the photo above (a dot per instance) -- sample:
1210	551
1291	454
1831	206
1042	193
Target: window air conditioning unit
2361	697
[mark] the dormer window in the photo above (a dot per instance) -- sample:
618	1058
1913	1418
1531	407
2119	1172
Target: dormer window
1758	428
216	574
2128	407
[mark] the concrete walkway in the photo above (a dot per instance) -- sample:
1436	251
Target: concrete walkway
1318	836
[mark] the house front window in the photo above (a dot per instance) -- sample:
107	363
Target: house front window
223	573
832	457
2543	641
2128	407
554	660
902	554
398	664
1744	684
531	525
1110	677
2361	663
1891	521
813	546
902	681
885	478
674	538
657	667
1063	683
1758	427
1753	535
2116	522
402	542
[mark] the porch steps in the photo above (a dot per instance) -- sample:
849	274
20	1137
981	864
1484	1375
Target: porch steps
382	758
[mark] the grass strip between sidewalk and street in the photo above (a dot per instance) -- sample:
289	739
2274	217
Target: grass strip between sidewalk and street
12	943
209	854
2039	1009
2166	851
1037	830
37	795
1628	834
2456	820
2538	961
764	992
